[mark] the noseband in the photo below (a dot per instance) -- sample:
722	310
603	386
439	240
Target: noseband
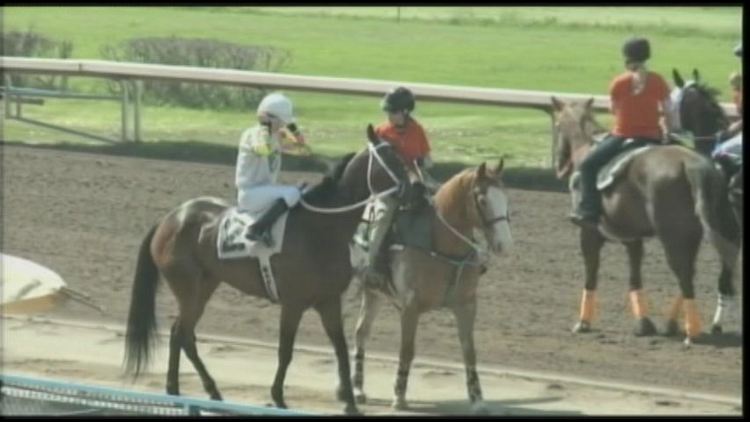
488	222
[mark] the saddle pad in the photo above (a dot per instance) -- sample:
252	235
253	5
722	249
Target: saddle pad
414	228
617	165
231	240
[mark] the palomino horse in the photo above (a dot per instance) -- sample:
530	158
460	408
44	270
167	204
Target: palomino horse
697	111
445	276
312	270
670	192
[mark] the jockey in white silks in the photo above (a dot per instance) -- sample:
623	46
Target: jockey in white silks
259	165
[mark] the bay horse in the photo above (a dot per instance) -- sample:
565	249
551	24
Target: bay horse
313	268
670	192
446	275
698	111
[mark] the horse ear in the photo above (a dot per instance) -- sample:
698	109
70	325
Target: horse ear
498	168
371	136
482	170
557	104
589	103
678	80
696	75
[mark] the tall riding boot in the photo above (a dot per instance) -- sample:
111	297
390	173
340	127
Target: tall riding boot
377	258
261	229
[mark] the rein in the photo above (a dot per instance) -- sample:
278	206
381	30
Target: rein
373	196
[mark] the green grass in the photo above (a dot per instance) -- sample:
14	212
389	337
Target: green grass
562	49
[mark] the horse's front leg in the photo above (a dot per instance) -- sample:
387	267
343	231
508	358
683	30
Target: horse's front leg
371	304
591	246
644	326
465	316
409	321
290	317
330	316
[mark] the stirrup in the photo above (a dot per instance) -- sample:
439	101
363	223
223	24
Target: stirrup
585	221
264	236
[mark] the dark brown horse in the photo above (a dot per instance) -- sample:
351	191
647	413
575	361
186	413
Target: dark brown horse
701	114
312	270
670	192
443	276
698	111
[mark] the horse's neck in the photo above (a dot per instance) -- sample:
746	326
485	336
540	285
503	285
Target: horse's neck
450	203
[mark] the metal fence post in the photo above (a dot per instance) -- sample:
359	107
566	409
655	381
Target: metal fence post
124	112
137	92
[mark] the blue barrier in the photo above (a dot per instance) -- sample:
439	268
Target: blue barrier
93	397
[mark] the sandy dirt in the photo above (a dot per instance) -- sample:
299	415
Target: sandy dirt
84	216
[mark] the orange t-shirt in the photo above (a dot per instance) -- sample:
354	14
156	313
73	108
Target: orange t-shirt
410	142
638	115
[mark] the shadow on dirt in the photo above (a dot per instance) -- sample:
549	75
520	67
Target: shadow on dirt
513	407
529	178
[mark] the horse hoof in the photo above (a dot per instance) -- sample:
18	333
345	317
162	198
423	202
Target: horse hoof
479	408
688	342
582	327
716	330
216	397
399	404
644	327
351	409
360	397
672	328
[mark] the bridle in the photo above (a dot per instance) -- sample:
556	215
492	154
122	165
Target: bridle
373	152
487	223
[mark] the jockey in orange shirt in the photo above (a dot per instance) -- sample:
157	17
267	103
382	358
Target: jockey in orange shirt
410	142
639	98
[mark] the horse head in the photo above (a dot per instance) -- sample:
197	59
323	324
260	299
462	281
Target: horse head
696	109
489	209
375	169
575	128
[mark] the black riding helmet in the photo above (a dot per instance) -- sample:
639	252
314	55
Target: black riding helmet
636	50
398	99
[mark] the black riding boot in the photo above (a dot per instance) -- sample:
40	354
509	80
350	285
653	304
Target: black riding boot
261	229
590	206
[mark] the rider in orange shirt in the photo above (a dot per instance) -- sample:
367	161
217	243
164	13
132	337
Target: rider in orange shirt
639	98
410	142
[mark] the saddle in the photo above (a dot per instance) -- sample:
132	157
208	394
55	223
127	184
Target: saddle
411	226
231	240
611	172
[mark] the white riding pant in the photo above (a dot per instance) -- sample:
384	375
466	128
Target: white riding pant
258	198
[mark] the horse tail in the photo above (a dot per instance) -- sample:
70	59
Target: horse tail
713	208
142	315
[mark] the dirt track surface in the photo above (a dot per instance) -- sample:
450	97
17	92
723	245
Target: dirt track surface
84	216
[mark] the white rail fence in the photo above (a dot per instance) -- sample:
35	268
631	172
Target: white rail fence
129	76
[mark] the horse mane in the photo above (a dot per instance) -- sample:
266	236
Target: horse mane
326	187
711	94
709	91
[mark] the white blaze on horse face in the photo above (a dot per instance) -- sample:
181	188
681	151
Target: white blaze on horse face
497	204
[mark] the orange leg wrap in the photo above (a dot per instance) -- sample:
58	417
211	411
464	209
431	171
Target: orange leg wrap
692	319
587	305
638	303
674	311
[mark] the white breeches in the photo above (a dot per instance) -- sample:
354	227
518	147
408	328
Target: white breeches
260	197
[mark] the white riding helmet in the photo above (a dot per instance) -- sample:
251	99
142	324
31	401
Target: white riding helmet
276	105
